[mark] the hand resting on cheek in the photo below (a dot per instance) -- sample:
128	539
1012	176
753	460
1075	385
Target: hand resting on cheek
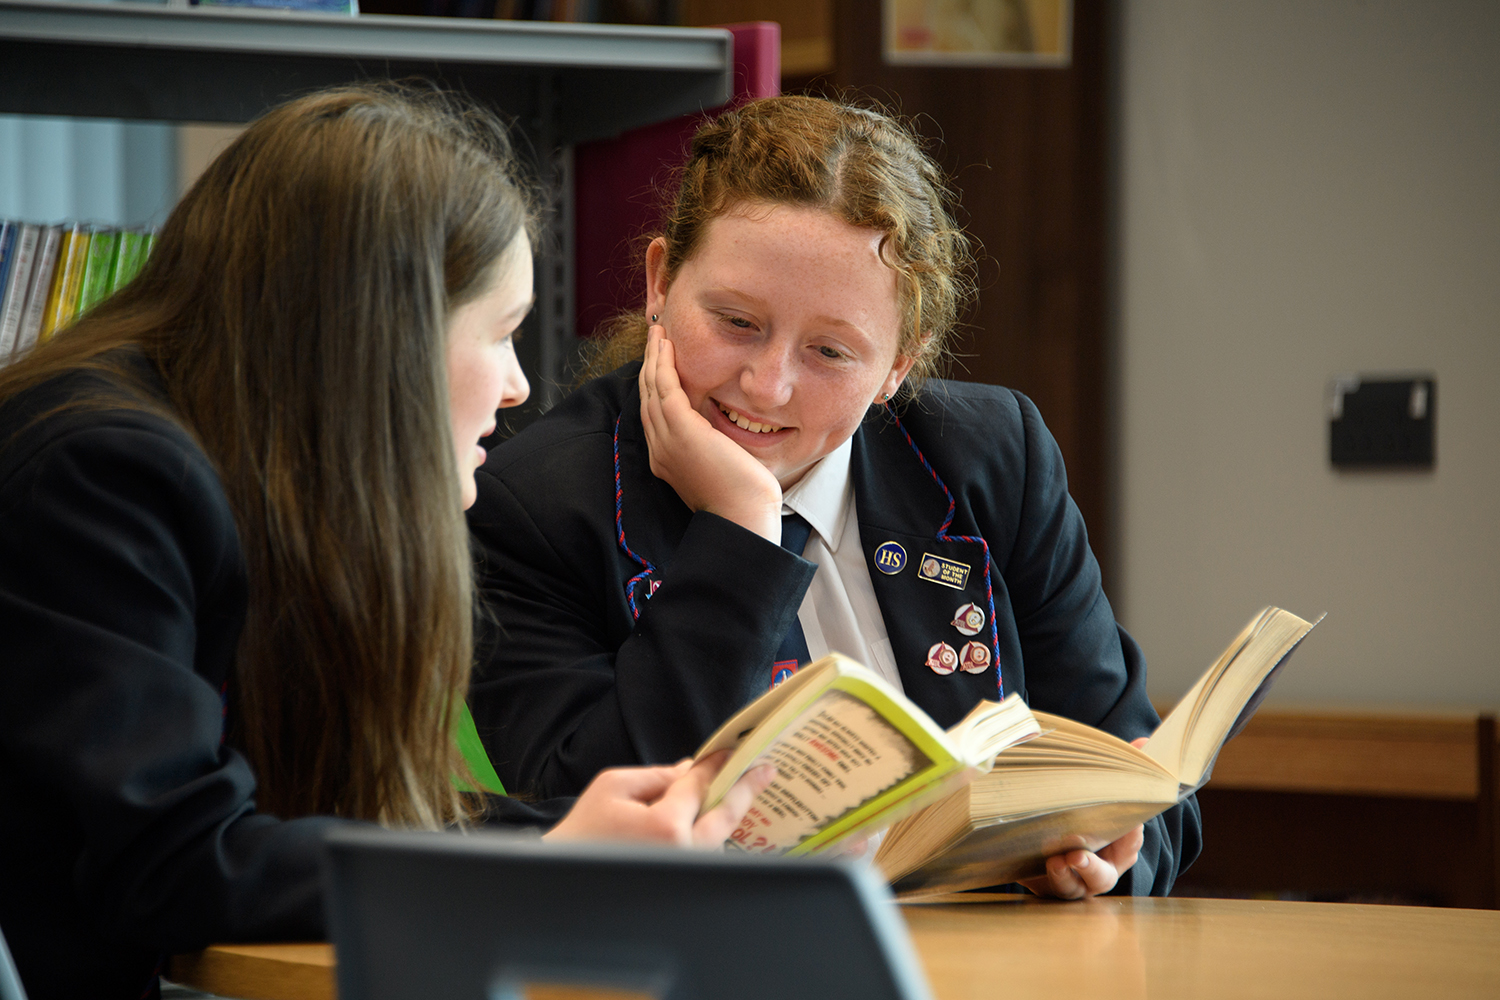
708	470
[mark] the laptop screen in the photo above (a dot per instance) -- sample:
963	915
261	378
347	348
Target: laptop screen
484	915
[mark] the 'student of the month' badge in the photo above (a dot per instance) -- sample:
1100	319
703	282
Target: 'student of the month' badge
968	619
890	558
975	658
942	658
947	572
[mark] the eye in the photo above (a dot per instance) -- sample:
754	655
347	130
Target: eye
832	354
739	322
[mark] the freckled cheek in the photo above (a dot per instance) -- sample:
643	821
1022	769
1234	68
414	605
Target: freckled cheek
697	368
835	418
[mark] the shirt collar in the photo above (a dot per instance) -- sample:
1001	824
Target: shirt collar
822	495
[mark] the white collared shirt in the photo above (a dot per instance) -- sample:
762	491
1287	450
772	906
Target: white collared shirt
839	612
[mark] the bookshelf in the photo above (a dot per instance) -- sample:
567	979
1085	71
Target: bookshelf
560	83
109	60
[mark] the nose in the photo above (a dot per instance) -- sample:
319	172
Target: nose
514	390
768	375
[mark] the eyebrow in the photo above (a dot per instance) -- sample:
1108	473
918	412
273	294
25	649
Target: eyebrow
761	303
520	312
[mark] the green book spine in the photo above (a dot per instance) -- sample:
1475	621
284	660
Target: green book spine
129	258
97	268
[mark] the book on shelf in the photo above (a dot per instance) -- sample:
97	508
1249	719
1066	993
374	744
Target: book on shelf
52	275
963	821
346	7
9	233
7	242
135	244
98	267
17	284
67	279
37	291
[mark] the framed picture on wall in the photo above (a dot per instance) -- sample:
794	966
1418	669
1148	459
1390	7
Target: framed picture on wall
978	32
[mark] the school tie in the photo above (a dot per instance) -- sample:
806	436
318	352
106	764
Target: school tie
792	652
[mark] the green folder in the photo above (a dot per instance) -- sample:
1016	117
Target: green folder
472	748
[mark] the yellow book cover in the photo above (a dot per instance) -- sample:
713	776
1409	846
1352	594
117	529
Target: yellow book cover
62	302
852	755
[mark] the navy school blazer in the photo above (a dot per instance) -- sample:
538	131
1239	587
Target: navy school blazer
128	827
624	627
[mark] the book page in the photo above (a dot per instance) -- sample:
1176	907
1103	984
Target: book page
740	725
992	855
1224	698
837	757
991	727
1166	744
1243	688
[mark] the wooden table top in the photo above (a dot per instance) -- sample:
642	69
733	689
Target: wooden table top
981	946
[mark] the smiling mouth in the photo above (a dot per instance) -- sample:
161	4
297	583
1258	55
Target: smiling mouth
745	423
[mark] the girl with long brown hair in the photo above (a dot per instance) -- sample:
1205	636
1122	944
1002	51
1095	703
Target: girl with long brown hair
235	581
776	472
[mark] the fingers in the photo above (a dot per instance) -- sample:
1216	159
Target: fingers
1074	875
1124	852
1085	874
647	377
668	385
664	406
714	826
855	847
681	802
1078	874
626	804
645	785
650	400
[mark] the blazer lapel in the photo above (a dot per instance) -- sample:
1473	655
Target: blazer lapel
921	581
652	515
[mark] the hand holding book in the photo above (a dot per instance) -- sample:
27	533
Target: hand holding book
852	754
1078	874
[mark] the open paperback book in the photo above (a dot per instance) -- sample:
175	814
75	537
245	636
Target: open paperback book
1075	786
853	755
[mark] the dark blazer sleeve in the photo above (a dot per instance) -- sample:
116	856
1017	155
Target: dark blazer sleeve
1074	658
568	681
127	827
1078	661
120	590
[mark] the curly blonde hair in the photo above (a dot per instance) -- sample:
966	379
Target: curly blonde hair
862	165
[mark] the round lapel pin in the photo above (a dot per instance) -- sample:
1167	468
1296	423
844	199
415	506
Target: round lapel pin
890	558
942	658
975	658
968	619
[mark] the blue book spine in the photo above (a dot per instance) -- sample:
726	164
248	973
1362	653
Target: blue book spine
8	232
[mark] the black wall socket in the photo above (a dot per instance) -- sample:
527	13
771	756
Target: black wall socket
1381	422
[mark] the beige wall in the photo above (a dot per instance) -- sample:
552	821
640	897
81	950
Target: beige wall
197	145
1307	189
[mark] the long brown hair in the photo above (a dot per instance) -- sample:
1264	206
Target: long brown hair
862	165
296	307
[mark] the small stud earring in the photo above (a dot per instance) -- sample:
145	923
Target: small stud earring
653	317
885	397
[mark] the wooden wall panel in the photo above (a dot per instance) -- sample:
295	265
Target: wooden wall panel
1028	150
